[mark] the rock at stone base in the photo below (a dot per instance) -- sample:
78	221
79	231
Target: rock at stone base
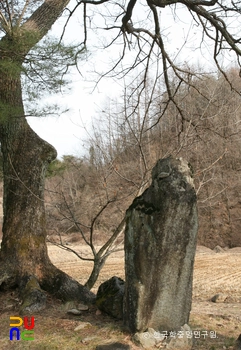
110	295
184	342
153	339
149	339
113	346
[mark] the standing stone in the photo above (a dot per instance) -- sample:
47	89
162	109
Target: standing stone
160	242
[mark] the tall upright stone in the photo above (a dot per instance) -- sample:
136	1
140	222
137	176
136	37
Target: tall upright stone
160	242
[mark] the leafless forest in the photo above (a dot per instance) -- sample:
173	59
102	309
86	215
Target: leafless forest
87	197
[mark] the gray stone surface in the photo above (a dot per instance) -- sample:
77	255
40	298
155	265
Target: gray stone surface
82	325
160	243
110	295
149	339
181	342
74	312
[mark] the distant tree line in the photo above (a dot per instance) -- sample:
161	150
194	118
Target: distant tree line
90	195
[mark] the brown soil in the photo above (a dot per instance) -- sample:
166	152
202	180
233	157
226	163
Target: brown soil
214	273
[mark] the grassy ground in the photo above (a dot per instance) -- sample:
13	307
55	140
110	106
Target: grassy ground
54	328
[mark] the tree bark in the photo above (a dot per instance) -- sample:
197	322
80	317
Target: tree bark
25	159
97	267
23	255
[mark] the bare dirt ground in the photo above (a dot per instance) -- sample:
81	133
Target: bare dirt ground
214	273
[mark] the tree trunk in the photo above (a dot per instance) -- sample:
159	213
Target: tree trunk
25	158
98	265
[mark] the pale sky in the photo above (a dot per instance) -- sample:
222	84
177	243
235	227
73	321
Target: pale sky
65	132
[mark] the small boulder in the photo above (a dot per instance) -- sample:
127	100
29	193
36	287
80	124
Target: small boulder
149	339
218	249
74	312
82	307
152	339
88	340
219	298
69	305
82	325
181	342
110	295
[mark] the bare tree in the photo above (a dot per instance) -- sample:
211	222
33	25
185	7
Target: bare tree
209	138
85	200
92	195
138	26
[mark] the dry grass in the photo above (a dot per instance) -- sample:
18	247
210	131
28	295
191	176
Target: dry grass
54	329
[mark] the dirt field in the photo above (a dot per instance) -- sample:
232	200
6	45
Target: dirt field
214	273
